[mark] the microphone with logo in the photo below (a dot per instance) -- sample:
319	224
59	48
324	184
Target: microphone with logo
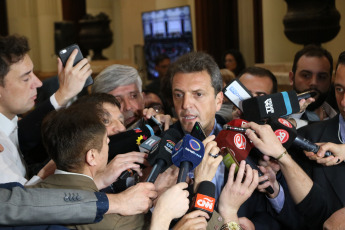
186	155
235	147
272	105
160	157
204	199
128	141
287	135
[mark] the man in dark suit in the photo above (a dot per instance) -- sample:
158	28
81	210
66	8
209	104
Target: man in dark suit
330	179
197	96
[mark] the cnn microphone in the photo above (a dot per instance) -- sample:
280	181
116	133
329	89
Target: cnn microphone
272	105
204	198
160	158
186	155
287	135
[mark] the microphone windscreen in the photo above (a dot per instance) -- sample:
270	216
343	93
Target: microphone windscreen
237	122
165	147
128	141
188	149
150	144
272	105
284	130
204	199
236	142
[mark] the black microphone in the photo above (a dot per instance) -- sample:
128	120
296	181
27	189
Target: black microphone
187	154
272	105
160	158
128	141
204	199
147	146
287	134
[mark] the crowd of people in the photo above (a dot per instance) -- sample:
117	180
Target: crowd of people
62	167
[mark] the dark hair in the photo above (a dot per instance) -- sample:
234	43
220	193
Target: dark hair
70	132
341	60
240	63
99	99
12	49
197	62
313	51
261	72
160	58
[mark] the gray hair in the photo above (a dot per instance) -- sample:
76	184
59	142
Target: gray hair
114	76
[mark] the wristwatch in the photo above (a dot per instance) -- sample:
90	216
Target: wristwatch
231	226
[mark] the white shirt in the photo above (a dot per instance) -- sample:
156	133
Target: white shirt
12	165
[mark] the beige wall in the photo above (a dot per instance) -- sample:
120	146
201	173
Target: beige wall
35	19
277	48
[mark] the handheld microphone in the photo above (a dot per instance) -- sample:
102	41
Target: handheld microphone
160	158
237	146
147	146
186	155
287	135
272	105
204	199
128	141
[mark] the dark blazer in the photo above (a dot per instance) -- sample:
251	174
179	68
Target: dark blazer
330	180
110	221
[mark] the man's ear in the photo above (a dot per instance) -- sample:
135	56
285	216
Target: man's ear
219	100
91	157
291	77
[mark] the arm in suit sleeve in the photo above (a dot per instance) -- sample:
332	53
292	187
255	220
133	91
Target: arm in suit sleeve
22	206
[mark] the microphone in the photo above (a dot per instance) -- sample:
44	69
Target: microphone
272	105
204	199
287	135
235	147
160	157
128	141
186	155
147	146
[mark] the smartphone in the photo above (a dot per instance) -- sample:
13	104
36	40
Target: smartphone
198	132
64	55
236	92
229	158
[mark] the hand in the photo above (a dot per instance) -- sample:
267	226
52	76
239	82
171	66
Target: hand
236	113
264	139
208	166
134	200
236	192
336	220
246	224
71	78
116	166
166	180
1	148
303	104
47	170
173	203
272	181
165	120
193	220
268	161
338	151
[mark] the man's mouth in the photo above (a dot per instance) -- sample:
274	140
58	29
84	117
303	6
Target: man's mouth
189	117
